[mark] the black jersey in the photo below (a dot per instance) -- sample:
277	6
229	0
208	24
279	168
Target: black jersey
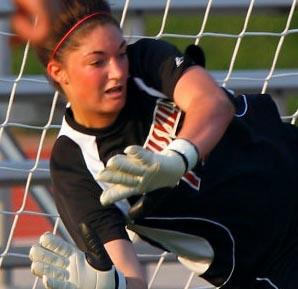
236	193
79	153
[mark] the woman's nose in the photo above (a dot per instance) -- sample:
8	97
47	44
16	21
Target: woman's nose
117	69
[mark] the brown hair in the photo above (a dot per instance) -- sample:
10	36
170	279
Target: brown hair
70	12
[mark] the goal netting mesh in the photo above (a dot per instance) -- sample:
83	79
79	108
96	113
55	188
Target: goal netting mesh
250	46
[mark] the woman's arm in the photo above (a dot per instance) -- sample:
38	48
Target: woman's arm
208	111
125	260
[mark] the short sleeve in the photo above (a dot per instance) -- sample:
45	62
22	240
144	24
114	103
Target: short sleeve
158	63
77	196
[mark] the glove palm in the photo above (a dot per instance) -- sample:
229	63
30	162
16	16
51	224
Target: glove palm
63	266
140	171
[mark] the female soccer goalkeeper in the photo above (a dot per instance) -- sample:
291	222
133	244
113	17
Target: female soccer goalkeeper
144	118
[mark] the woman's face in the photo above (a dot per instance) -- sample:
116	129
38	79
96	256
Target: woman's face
96	76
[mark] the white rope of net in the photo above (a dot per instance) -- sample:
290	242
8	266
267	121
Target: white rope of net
266	80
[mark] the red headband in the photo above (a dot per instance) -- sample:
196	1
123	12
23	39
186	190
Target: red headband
73	28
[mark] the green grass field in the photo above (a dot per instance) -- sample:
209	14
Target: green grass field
256	52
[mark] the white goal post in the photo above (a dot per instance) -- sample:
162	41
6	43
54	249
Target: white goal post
29	104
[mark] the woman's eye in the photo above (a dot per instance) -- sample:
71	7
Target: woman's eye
98	62
123	54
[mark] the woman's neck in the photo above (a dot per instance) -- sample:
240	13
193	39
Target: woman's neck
95	120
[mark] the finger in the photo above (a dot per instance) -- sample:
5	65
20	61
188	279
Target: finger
56	244
39	254
40	269
51	283
126	164
25	17
22	26
133	150
141	154
27	29
116	177
117	193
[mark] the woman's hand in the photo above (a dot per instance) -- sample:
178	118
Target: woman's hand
141	171
61	265
24	20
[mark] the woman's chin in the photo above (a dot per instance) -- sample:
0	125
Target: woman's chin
115	105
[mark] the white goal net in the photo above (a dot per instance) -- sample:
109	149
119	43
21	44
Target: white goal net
250	46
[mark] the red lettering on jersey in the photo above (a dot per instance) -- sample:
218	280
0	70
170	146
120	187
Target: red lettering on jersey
153	146
192	179
158	126
171	113
163	130
164	139
164	120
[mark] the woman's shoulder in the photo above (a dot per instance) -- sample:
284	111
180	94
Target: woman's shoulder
64	151
151	45
64	144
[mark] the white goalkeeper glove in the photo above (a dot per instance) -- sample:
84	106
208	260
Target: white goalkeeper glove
141	171
63	266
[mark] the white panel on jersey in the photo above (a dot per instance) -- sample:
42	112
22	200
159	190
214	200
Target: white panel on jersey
88	146
150	90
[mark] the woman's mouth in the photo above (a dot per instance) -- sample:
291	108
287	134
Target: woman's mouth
115	91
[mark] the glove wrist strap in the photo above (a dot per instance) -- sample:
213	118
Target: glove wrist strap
188	151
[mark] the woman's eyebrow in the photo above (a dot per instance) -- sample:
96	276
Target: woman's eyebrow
123	44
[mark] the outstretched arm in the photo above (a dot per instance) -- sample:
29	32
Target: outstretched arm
62	265
208	111
124	258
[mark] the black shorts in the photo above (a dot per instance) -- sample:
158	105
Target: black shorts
283	274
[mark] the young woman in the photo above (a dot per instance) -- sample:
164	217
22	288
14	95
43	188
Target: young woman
207	173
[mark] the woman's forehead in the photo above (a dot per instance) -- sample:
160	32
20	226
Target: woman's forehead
103	38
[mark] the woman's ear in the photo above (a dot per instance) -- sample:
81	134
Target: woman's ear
57	72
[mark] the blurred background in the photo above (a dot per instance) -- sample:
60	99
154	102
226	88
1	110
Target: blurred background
250	46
